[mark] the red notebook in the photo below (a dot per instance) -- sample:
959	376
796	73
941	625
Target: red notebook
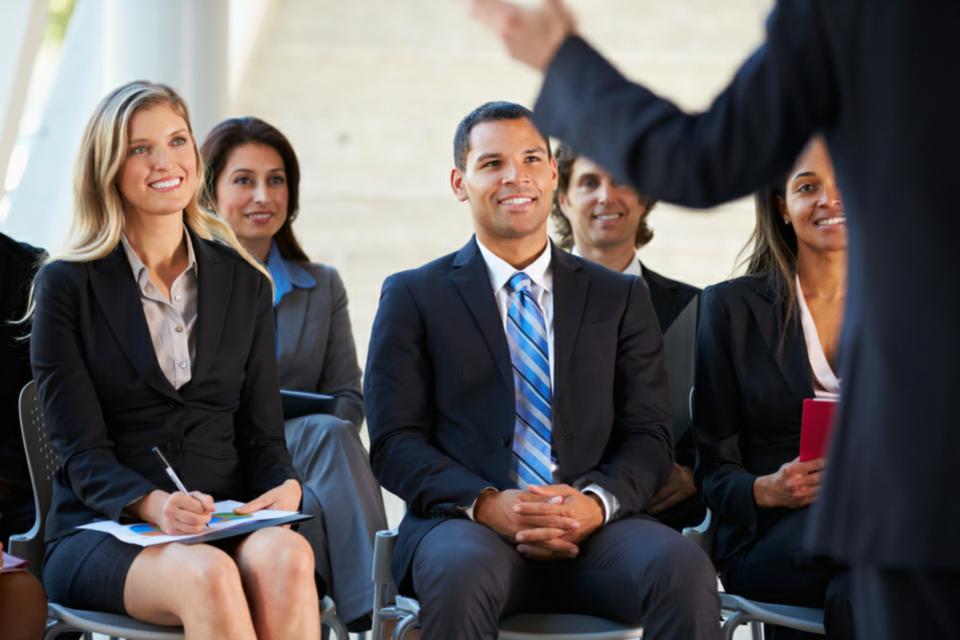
816	426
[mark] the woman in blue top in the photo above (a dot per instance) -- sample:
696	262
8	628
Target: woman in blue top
253	181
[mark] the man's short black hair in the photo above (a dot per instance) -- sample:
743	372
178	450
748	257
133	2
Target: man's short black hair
487	112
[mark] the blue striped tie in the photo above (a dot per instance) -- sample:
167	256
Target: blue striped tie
532	460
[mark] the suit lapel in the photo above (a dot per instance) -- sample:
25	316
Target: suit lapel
469	276
569	300
214	287
792	358
291	317
115	290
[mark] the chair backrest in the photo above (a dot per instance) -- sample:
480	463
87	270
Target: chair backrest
42	461
679	347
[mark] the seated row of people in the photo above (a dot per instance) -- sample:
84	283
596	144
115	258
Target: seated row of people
516	395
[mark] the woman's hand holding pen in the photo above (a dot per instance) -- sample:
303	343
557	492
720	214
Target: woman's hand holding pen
176	513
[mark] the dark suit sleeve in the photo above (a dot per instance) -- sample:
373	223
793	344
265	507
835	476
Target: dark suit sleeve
69	399
726	485
340	374
401	417
752	131
258	421
640	453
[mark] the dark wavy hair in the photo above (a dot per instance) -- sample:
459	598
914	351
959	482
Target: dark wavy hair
230	134
566	157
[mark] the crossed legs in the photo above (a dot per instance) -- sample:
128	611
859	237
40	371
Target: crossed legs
265	589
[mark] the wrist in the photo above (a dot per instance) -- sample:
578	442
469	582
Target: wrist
150	506
761	492
484	499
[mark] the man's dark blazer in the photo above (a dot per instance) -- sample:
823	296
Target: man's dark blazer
751	380
18	262
106	401
440	398
669	297
876	77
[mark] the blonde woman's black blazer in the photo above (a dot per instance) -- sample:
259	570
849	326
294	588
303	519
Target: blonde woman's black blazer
106	401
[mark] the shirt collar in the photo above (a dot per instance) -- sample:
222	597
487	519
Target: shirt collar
633	268
139	269
286	274
500	271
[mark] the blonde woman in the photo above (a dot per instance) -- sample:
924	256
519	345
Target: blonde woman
155	328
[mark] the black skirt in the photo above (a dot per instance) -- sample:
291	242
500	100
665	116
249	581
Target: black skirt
88	570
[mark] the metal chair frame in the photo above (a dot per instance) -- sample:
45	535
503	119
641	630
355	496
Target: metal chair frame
43	463
388	605
753	612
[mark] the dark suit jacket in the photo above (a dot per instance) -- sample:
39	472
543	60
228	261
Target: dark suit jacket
440	398
876	77
18	262
106	401
315	348
669	297
747	405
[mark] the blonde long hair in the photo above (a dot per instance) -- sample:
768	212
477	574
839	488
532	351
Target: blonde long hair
98	205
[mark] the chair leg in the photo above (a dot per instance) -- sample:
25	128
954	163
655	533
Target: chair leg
731	624
337	627
55	628
405	625
756	628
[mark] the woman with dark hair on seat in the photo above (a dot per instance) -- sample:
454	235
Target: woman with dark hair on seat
253	182
766	341
154	327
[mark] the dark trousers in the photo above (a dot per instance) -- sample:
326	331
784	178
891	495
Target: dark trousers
898	604
636	571
776	568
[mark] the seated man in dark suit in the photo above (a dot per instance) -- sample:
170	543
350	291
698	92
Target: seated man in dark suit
602	220
18	263
517	400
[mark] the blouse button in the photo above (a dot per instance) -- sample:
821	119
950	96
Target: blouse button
179	329
183	365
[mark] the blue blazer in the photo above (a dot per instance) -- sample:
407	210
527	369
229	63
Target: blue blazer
874	76
439	389
106	401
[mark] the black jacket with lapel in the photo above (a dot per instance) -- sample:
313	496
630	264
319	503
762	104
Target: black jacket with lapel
106	401
750	387
439	389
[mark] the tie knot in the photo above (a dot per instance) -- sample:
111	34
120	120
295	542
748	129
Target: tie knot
519	282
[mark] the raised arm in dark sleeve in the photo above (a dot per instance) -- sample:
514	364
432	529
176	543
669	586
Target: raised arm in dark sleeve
401	416
752	131
258	421
727	487
69	399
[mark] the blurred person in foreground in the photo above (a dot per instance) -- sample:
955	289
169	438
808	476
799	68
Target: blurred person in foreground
874	77
604	221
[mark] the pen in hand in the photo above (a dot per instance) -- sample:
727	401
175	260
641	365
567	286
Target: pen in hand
170	472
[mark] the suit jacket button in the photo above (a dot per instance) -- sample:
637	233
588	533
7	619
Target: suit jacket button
505	441
173	445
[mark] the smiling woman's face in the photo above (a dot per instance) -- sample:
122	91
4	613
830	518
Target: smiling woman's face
252	192
159	174
812	203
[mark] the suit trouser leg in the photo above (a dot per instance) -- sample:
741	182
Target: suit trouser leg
638	570
466	578
342	494
894	604
777	568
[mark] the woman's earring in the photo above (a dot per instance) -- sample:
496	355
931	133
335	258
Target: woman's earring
786	221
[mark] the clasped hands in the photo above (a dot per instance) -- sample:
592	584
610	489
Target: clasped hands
179	513
546	522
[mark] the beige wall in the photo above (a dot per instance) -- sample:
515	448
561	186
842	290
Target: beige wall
370	91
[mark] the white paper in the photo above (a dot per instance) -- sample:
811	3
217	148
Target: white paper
146	535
